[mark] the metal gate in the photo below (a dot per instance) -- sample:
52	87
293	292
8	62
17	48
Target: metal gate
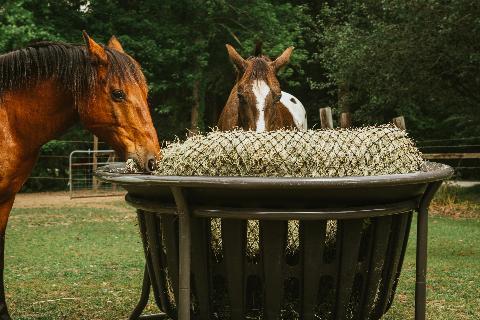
82	182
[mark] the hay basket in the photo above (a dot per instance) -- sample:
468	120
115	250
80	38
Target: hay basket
350	235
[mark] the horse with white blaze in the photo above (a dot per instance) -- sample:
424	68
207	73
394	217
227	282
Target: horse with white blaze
256	101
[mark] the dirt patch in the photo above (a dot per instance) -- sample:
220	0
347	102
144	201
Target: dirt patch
62	199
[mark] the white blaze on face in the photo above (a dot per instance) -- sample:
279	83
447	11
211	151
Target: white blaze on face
260	90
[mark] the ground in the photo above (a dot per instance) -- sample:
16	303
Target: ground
82	259
72	259
62	199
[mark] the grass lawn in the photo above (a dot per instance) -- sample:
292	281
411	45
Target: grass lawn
73	263
86	263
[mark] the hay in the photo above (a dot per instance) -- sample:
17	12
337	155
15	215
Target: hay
131	166
315	153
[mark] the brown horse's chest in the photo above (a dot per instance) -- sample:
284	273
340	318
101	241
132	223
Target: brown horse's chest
279	118
276	117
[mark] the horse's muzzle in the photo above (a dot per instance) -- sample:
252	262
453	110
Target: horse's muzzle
151	164
147	163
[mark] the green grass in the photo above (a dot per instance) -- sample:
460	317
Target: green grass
87	263
453	272
73	263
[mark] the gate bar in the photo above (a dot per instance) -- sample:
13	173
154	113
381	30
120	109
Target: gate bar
70	165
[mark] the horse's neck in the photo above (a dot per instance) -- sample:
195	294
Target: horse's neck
36	115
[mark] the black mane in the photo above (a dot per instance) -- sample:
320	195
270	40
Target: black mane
69	64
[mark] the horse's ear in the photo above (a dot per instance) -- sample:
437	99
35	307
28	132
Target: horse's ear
115	44
236	58
95	50
283	59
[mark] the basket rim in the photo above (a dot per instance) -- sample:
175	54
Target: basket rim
431	171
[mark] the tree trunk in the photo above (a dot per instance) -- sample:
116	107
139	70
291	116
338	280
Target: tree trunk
343	97
344	105
198	106
195	107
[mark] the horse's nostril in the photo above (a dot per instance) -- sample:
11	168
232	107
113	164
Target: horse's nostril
151	164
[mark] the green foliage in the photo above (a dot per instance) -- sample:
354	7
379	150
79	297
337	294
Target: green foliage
414	58
418	58
17	26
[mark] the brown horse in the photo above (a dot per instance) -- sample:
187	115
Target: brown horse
47	87
256	101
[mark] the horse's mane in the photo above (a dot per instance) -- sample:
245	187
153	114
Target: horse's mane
69	64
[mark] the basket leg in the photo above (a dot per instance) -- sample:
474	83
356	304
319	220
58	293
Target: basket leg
137	312
184	254
421	259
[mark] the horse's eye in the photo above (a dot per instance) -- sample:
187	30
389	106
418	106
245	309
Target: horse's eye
118	95
277	98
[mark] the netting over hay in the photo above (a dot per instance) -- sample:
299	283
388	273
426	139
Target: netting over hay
314	153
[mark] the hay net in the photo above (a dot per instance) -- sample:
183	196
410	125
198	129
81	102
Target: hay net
314	153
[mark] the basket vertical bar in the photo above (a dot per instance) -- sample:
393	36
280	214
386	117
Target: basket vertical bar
421	258
184	254
273	236
314	233
233	238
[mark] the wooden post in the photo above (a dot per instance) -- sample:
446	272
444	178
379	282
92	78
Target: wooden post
399	122
326	119
94	162
345	120
114	185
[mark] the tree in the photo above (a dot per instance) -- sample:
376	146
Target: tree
419	58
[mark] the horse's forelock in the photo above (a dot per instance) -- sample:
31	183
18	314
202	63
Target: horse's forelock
259	68
124	68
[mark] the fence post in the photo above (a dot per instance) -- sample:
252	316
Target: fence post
326	119
114	185
399	122
345	120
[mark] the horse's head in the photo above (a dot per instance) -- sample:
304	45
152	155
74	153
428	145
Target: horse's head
257	91
117	108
